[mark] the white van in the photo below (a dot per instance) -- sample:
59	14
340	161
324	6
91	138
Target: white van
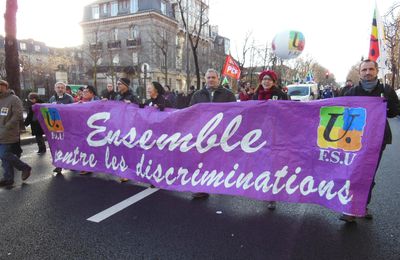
303	92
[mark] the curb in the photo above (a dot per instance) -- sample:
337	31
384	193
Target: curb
28	140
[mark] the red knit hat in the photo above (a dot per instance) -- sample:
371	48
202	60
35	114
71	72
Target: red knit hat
270	73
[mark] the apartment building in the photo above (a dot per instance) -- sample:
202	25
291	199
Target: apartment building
122	35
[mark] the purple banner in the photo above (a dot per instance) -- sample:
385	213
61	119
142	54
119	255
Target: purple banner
323	152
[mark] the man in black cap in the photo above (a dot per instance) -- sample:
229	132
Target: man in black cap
124	92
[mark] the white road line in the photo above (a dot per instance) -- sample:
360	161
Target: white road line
122	205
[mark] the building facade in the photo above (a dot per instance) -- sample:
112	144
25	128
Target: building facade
121	36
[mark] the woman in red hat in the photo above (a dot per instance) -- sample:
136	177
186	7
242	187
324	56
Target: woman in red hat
268	89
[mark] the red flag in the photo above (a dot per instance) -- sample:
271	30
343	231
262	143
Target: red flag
231	68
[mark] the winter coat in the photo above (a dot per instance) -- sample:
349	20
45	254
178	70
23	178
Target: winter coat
160	101
128	95
33	121
65	99
10	118
392	103
110	95
277	94
221	94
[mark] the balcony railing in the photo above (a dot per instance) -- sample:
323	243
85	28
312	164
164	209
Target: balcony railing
133	42
114	44
96	46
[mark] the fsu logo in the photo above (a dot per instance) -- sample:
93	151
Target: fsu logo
341	128
52	119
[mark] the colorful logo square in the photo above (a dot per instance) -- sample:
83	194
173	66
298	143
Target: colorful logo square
341	128
52	119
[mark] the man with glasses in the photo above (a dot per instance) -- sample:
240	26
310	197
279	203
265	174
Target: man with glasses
60	97
124	92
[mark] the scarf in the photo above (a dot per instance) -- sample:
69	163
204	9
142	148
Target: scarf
264	94
369	85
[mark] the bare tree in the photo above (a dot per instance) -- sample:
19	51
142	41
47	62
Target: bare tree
161	39
194	29
248	44
11	48
3	73
392	37
94	53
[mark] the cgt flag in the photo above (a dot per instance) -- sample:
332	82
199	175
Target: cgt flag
231	68
377	49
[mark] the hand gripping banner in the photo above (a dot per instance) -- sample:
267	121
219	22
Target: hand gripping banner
322	152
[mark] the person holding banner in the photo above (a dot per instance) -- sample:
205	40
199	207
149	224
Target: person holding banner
211	92
126	95
268	89
157	99
370	85
60	97
124	92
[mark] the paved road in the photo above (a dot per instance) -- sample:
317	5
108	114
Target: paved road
46	218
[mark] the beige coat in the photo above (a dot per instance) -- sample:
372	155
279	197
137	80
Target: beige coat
10	118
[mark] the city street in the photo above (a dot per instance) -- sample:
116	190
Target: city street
52	217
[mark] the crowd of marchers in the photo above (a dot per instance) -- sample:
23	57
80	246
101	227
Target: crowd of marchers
162	97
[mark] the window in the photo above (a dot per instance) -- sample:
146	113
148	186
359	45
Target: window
114	8
114	34
133	32
22	46
123	5
135	58
104	8
37	48
163	7
95	12
134	6
116	59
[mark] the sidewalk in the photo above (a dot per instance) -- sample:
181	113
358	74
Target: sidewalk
27	137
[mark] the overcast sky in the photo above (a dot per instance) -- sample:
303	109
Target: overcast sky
336	32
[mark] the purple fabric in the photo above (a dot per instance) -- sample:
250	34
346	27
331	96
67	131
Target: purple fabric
321	152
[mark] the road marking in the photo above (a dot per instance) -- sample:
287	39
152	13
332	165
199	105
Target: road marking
122	205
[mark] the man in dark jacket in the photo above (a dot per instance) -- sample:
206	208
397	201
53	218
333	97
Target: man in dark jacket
211	92
109	92
369	85
124	92
60	97
347	87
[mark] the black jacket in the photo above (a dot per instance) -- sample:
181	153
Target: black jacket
32	120
110	95
160	101
392	103
220	95
128	95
